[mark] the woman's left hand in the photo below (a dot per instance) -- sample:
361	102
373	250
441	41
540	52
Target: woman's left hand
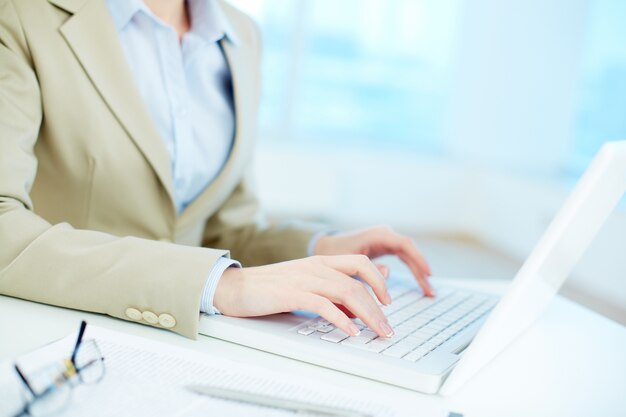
377	241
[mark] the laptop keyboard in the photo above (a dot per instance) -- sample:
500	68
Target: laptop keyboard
421	324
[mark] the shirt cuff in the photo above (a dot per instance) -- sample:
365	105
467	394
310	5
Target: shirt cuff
206	302
311	246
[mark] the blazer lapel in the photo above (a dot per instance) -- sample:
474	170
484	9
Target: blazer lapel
245	98
90	33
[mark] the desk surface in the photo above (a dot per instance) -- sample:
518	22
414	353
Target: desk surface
572	362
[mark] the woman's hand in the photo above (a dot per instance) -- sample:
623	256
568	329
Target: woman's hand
324	283
377	241
314	284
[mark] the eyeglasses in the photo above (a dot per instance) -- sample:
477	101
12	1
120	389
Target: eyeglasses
48	390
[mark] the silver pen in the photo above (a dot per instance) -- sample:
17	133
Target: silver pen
276	402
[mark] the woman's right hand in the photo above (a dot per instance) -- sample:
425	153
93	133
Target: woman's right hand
313	284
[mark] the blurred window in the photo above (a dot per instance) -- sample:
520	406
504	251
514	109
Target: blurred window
601	112
374	72
377	73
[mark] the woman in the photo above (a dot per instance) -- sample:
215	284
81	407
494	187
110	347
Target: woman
126	133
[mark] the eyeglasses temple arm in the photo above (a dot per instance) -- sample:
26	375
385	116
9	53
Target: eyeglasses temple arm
79	339
24	380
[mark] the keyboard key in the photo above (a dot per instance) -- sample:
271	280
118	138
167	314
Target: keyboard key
363	338
379	344
413	297
401	334
403	314
406	343
417	354
464	321
306	331
326	329
430	345
394	321
427	315
435	326
396	292
391	309
397	351
403	301
428	331
405	327
422	333
320	325
335	336
438	340
418	306
445	321
448	332
362	346
440	308
417	339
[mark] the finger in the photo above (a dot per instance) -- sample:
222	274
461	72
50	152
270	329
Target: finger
384	270
386	241
419	276
362	266
405	244
352	294
409	254
417	255
326	309
405	249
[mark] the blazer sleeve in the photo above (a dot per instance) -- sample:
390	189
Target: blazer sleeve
241	227
81	269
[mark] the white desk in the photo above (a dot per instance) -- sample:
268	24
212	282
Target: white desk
571	363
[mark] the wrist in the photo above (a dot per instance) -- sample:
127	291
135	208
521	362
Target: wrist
324	245
207	305
227	289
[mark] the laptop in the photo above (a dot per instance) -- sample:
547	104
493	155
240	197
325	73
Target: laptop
441	342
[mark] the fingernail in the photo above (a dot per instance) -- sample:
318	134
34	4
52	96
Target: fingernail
354	331
387	330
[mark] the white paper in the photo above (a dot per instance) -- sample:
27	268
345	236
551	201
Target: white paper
146	378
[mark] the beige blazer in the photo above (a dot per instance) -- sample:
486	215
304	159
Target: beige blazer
87	218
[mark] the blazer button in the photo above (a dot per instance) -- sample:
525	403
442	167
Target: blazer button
167	321
150	317
133	313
